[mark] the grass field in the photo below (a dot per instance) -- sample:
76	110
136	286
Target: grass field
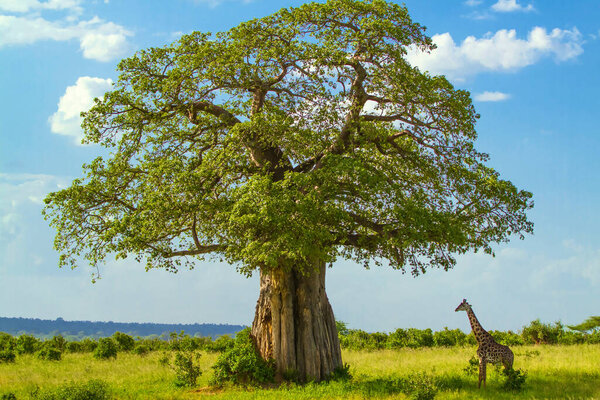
553	372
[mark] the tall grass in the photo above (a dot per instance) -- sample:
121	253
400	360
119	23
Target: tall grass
553	372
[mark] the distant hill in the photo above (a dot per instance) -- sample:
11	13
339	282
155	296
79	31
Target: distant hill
47	328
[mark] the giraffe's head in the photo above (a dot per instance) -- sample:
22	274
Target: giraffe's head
464	306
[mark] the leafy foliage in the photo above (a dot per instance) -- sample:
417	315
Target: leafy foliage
106	349
538	332
124	341
7	342
49	352
242	365
514	379
7	356
94	389
27	344
589	324
300	136
421	386
186	369
141	350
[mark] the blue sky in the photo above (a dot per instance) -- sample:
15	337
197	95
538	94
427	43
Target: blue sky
532	69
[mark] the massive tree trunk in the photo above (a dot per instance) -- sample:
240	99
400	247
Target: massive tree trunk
294	324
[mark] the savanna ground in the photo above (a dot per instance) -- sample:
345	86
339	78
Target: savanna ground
553	372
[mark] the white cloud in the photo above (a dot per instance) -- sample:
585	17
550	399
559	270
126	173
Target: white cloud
215	3
510	6
21	192
32	5
103	41
99	40
492	96
501	51
77	98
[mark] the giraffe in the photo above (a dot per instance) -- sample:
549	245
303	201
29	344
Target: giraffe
488	351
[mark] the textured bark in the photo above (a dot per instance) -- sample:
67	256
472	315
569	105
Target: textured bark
294	324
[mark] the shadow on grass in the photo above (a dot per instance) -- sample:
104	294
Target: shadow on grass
555	385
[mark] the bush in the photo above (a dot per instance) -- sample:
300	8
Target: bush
420	387
448	337
472	367
107	348
186	369
242	364
341	373
7	356
49	353
508	338
8	396
537	333
124	341
515	379
27	344
221	344
58	342
91	390
141	350
357	339
88	345
411	337
7	342
74	347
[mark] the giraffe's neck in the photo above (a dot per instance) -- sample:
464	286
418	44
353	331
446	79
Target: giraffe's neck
478	330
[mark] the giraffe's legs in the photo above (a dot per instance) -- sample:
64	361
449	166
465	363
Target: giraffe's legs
482	371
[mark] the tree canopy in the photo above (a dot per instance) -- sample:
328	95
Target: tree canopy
304	135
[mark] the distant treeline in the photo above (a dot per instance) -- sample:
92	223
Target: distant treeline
534	333
81	329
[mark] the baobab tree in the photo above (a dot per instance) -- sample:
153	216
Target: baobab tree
282	145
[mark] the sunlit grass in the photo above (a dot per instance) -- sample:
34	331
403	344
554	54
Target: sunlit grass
553	372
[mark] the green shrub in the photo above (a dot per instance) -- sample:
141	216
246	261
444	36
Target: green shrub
73	347
8	396
141	350
58	342
107	348
341	374
514	379
342	328
508	338
49	353
88	345
242	365
537	332
188	343
164	360
27	344
221	344
7	356
91	390
410	337
420	387
472	367
186	369
447	337
7	342
124	341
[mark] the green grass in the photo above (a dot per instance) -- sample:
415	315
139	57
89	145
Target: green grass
553	372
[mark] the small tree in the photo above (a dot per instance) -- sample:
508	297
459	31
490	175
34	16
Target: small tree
124	341
107	348
282	145
589	324
27	344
